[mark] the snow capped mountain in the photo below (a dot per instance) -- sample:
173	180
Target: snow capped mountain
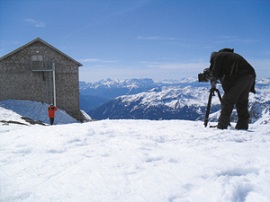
128	84
186	100
172	97
173	102
109	88
265	81
94	95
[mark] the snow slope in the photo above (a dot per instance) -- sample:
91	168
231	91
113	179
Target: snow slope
133	160
34	110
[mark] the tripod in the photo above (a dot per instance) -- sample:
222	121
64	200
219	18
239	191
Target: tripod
212	93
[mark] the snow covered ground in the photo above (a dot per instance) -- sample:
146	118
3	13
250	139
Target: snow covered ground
132	160
35	110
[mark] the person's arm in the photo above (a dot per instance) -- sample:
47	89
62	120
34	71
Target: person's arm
216	67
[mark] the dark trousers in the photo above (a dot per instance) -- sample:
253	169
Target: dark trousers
51	121
238	96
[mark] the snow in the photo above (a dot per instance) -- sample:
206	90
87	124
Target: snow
131	160
169	96
117	83
36	110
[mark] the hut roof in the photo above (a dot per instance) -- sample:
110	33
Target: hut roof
41	41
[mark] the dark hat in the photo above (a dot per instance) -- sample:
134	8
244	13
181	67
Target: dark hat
226	50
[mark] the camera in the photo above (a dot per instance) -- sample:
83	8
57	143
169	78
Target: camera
205	76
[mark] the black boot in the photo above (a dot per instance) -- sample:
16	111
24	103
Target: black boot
242	124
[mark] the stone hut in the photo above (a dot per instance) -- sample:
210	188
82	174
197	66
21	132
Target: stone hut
39	72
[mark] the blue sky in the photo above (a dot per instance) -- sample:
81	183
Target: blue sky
158	39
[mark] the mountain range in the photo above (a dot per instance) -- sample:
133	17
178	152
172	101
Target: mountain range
145	99
95	94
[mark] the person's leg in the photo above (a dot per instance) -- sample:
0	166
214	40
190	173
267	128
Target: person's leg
243	114
227	105
230	98
51	121
242	106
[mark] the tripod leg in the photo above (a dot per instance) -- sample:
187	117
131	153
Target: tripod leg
219	96
208	108
220	99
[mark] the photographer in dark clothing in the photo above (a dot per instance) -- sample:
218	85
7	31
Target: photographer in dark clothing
237	77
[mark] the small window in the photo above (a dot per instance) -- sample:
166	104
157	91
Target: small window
37	58
37	63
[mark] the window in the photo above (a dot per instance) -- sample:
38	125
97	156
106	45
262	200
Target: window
37	62
37	58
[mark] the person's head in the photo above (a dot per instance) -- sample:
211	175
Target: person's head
51	106
212	56
229	50
223	50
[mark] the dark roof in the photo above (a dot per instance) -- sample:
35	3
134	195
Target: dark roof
44	42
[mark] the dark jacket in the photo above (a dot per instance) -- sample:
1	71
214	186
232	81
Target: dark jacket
228	67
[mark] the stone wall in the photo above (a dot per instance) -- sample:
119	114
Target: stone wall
18	81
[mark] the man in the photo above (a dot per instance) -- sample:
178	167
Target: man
237	77
51	110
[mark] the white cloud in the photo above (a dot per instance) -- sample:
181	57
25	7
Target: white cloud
234	39
177	65
156	38
90	60
97	60
35	23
